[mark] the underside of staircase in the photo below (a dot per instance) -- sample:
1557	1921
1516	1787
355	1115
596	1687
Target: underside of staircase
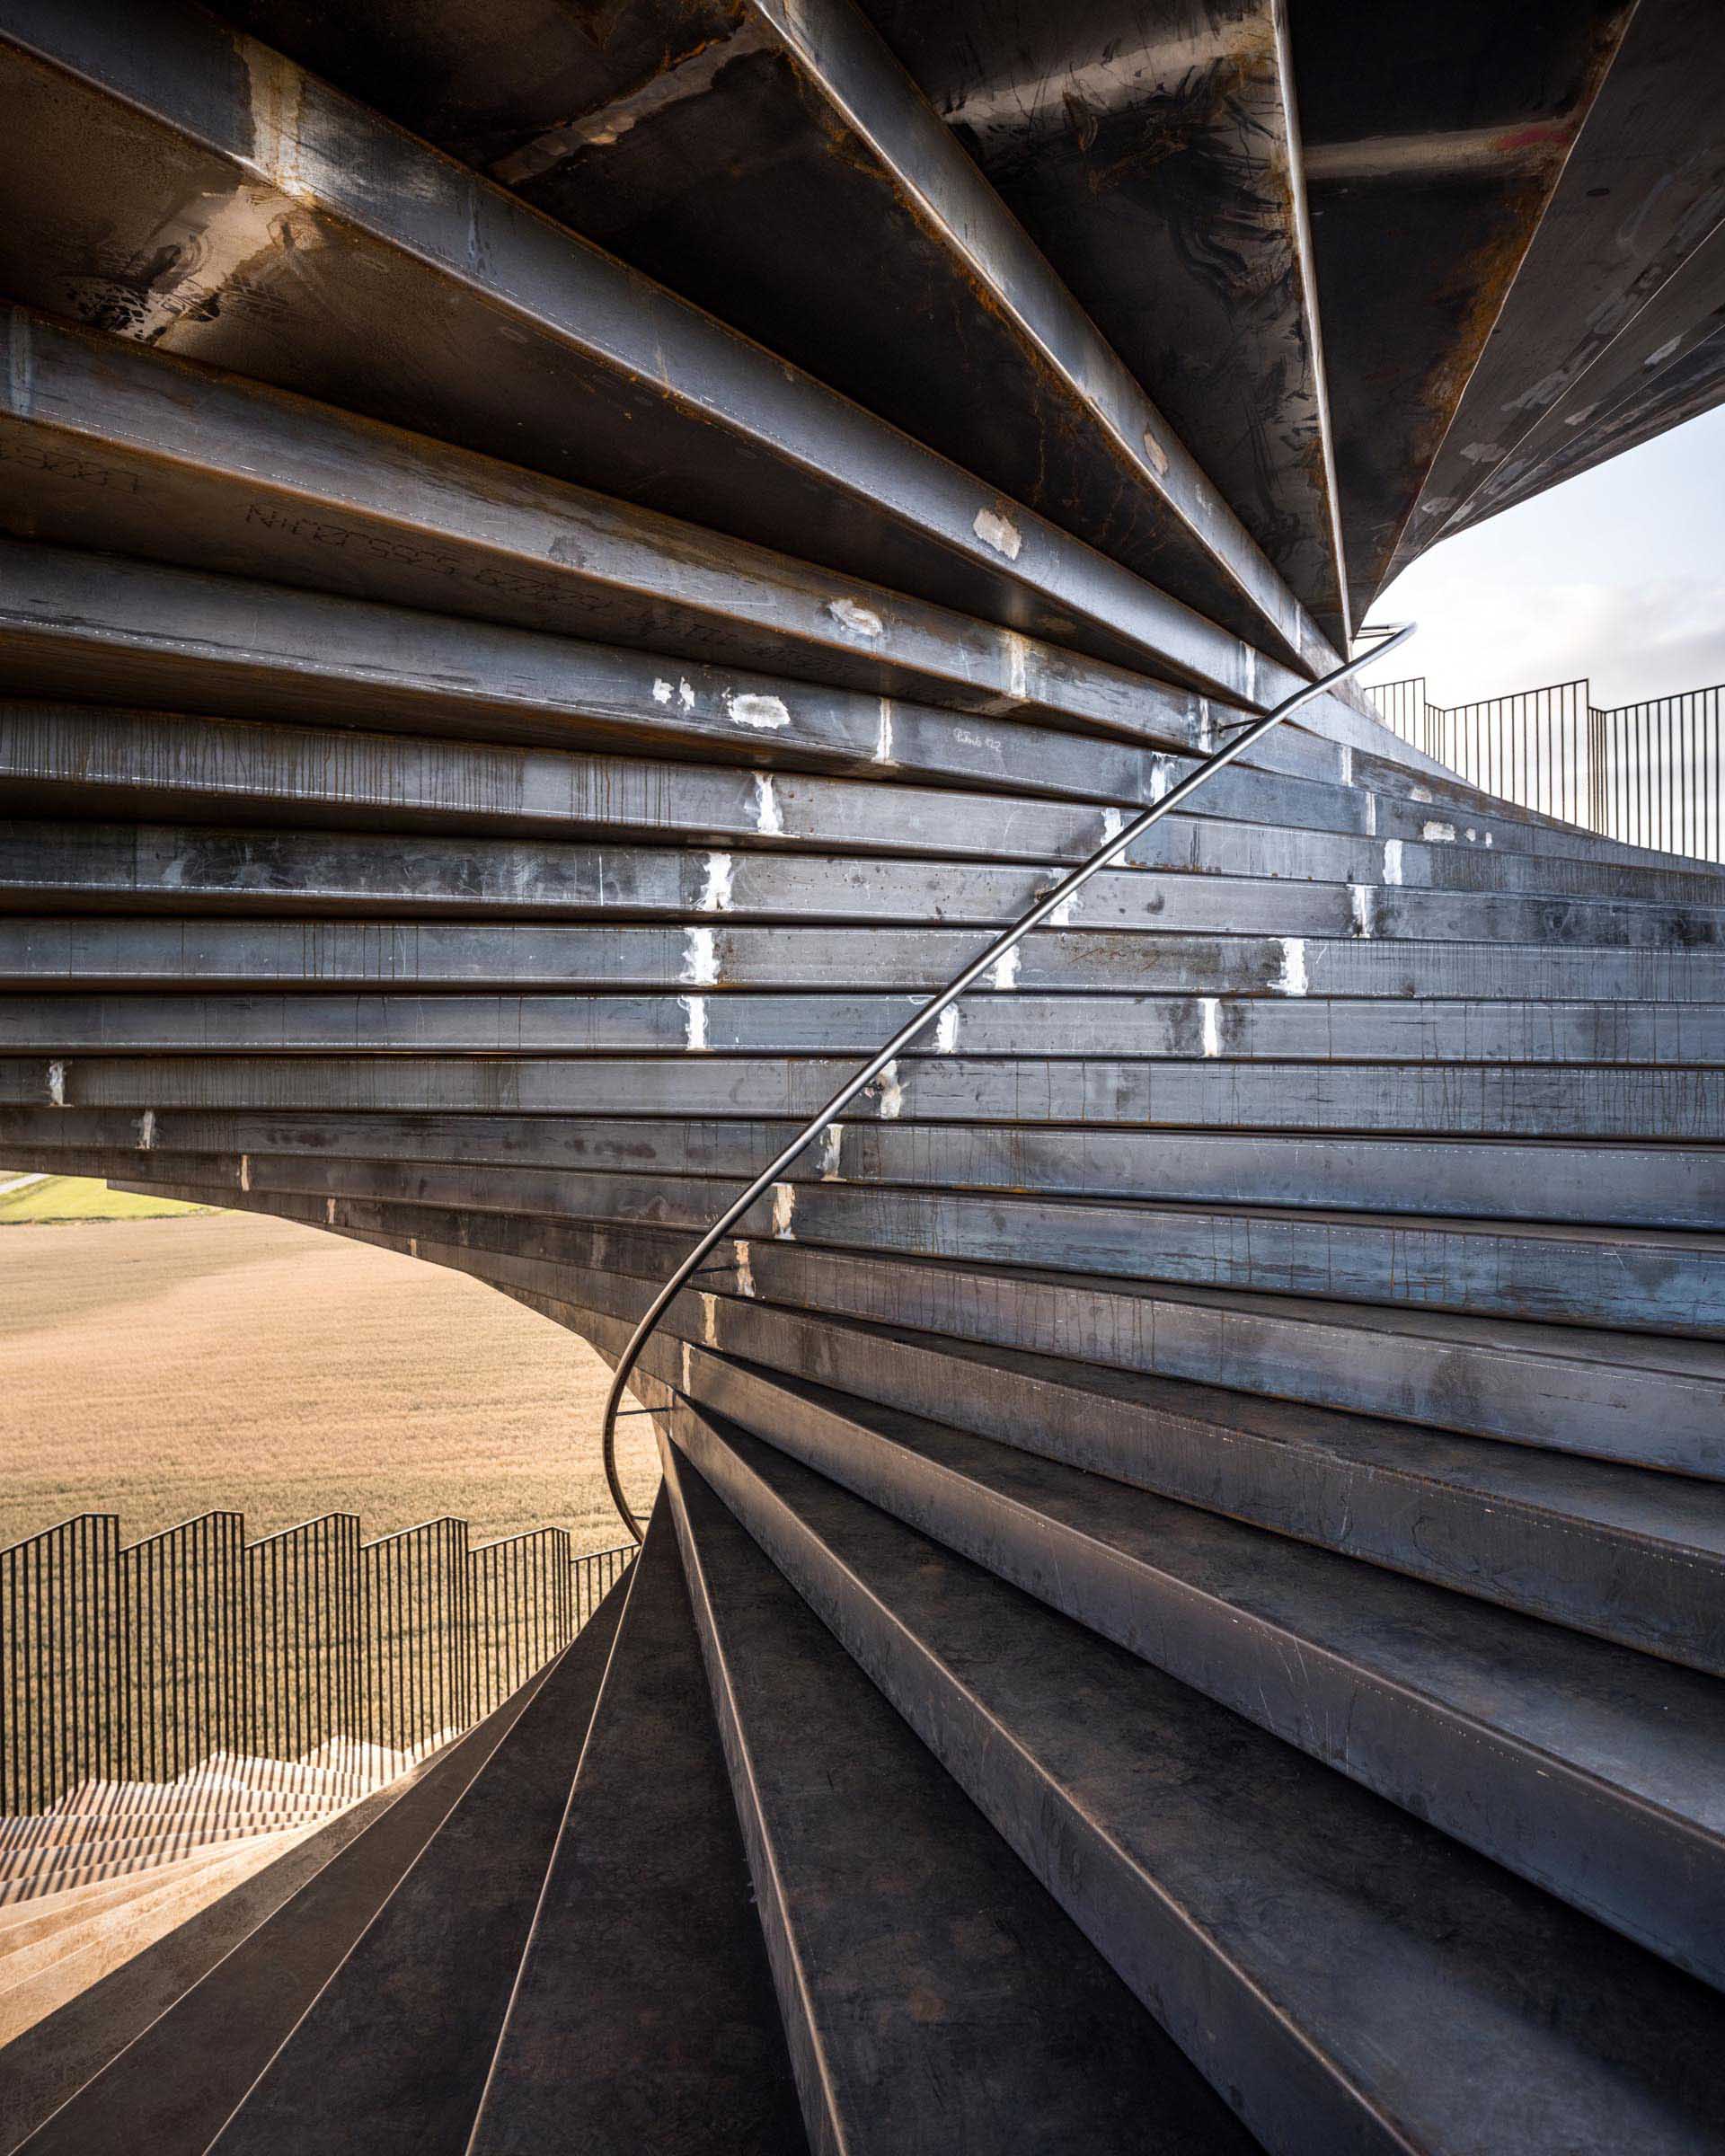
561	569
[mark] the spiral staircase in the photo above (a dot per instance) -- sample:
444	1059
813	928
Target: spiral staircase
565	567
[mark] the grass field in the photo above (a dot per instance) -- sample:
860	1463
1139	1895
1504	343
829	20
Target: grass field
27	1200
158	1367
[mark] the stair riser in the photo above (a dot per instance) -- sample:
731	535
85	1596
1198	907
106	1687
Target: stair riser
73	953
55	868
1652	1285
1671	1186
373	1018
1506	1101
1616	1586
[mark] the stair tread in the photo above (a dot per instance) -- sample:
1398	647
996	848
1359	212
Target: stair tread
1347	1972
1609	1763
199	2025
393	2054
935	1996
644	2013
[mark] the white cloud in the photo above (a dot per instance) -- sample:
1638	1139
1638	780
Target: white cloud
1613	576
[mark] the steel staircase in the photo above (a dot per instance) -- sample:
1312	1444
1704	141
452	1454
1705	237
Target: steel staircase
1184	1608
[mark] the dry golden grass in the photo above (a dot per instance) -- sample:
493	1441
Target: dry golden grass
157	1368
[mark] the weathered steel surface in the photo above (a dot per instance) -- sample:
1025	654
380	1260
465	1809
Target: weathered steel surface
234	210
1152	151
1641	192
1434	139
708	165
493	733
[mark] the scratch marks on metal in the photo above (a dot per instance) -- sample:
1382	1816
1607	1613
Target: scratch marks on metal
687	77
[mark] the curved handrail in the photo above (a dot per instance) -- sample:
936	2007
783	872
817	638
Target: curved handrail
1255	730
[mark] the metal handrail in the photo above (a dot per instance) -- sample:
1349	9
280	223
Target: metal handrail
1252	732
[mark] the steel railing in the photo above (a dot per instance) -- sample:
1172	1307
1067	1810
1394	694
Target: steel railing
1253	730
139	1662
1647	774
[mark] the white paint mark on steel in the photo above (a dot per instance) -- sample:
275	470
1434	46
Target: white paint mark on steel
147	1131
883	734
999	532
709	1319
1393	860
1002	974
768	822
1211	1007
1436	834
1206	727
245	1172
946	1031
860	619
1420	793
1252	675
892	1094
662	691
1473	835
1371	816
413	1246
329	1212
744	1269
1347	764
56	1083
1018	650
699	957
716	892
1291	980
784	1211
1061	917
685	693
688	1364
1160	780
1157	454
1114	819
832	1152
695	1016
1361	898
766	713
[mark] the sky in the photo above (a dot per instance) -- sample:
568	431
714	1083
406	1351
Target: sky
1618	575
